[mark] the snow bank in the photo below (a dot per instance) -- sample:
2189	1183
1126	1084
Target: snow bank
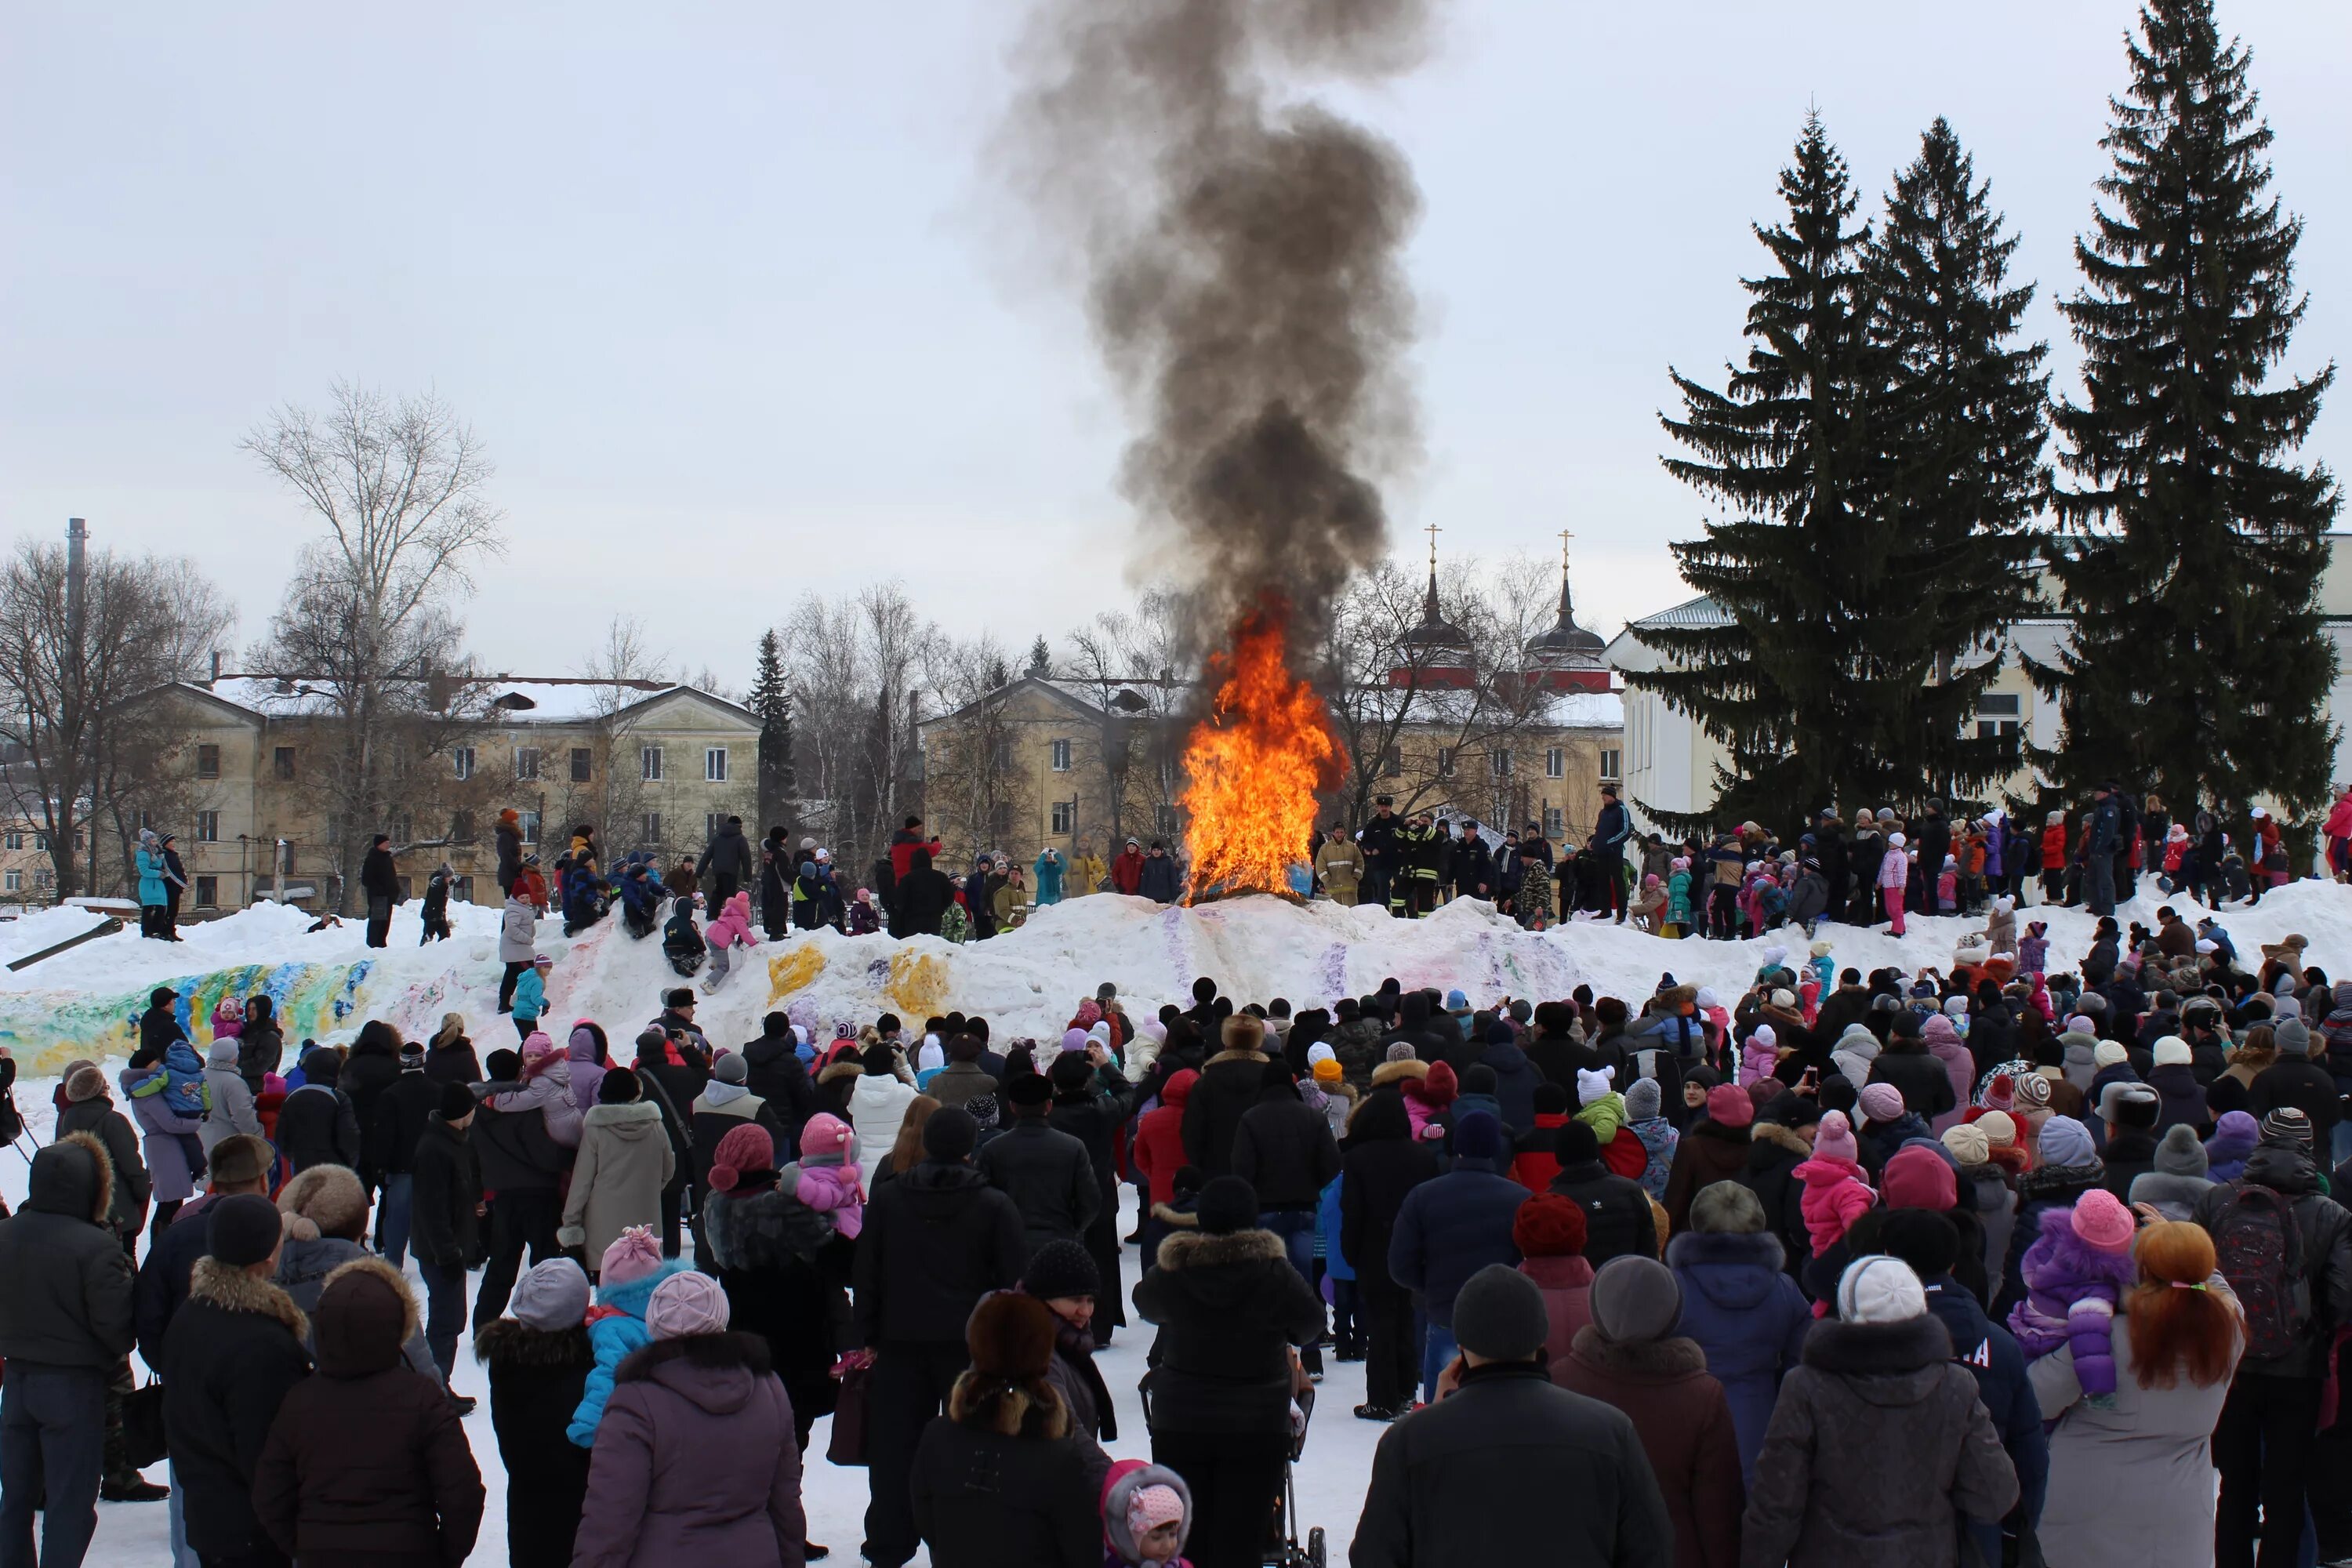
1027	981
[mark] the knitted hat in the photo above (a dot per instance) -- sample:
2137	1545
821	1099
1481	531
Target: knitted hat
2293	1037
950	1134
688	1303
1228	1204
1074	1039
1726	1208
1880	1289
1998	1127
2076	1024
1834	1138
731	1069
1642	1100
2178	1154
411	1057
1061	1267
1478	1136
2172	1051
536	1047
1928	1242
824	1134
239	1160
241	1229
2101	1222
1967	1143
1591	1083
1881	1103
1549	1226
1636	1299
84	1082
456	1103
2108	1053
2066	1142
2032	1091
2287	1125
635	1253
1011	1337
1328	1071
1919	1177
1729	1106
551	1295
745	1148
1399	1051
1499	1313
1318	1053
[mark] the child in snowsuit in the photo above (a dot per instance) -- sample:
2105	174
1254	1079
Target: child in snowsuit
1893	874
2001	926
2033	948
2076	1272
631	1266
730	928
1644	1103
1836	1193
827	1177
1678	897
436	907
681	942
179	1082
1760	1056
1146	1512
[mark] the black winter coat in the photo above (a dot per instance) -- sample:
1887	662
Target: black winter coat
374	1067
129	1188
1926	1086
2128	1153
452	1063
987	1498
1283	1148
1376	1174
2326	1261
1049	1177
1617	1218
317	1126
231	1354
935	1241
536	1381
774	1072
514	1154
445	1229
919	902
1229	1308
781	1263
389	1137
65	1284
162	1283
1511	1469
2301	1083
1228	1088
158	1028
1774	1152
259	1052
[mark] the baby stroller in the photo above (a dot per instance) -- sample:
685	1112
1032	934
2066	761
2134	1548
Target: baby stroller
1282	1547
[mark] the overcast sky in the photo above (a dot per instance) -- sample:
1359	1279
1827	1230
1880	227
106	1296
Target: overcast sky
734	300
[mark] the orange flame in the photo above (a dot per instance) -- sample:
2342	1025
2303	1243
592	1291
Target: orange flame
1252	767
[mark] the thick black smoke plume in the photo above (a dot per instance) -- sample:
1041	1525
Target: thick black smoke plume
1241	253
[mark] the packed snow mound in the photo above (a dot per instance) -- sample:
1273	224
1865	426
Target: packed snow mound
1028	982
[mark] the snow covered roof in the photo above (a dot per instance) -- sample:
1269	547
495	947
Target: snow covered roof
511	699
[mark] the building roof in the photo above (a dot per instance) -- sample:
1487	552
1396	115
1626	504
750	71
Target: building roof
1702	611
1566	642
517	700
1435	630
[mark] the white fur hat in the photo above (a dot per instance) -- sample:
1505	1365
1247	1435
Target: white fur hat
1592	1084
1880	1289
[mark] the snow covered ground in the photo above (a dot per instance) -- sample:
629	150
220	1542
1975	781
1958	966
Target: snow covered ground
1027	983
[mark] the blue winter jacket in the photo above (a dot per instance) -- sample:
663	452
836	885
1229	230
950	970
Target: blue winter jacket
1046	877
1991	1353
1515	1085
151	876
1750	1318
1448	1230
1327	1220
529	995
612	1337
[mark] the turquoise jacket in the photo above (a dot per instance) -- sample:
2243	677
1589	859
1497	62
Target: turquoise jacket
531	994
616	1327
151	876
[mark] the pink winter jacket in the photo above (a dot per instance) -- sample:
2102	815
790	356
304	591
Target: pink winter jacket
1835	1197
731	927
550	1094
1944	1043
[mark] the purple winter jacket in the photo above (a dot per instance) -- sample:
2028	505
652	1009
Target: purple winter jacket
695	1462
2072	1292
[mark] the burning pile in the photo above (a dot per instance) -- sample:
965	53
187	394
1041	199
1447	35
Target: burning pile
1253	765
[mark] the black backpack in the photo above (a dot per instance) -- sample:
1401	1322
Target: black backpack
2259	1250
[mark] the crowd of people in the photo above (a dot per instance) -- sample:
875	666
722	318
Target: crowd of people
1985	1261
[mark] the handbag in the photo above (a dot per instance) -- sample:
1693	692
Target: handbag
143	1426
854	1373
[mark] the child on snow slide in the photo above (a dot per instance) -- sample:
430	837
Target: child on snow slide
730	928
681	941
1678	898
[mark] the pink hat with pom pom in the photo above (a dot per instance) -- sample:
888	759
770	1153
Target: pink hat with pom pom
635	1253
2103	1222
824	1134
1835	1141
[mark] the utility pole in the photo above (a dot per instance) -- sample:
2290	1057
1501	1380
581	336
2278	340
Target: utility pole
77	602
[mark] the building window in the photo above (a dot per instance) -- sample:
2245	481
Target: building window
649	763
999	821
462	889
402	828
1445	762
44	878
208	761
712	821
1555	762
208	827
1061	756
281	762
651	830
527	762
1555	822
13	840
1500	762
1391	763
462	758
530	826
583	765
14	881
1611	762
1166	819
208	892
714	765
1065	816
1999	714
41	842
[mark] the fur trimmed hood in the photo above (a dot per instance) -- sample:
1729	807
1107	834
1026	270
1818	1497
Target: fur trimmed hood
1780	1137
1258	1056
1893	1364
232	1289
366	1312
747	1352
846	1068
1388	1073
1182	1220
1671	1357
1030	1409
1198	1249
56	1187
505	1343
1706	1249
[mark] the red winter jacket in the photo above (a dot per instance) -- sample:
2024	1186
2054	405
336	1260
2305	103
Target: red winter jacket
903	845
1127	872
1160	1137
2053	846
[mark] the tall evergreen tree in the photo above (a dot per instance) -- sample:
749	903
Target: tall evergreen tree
1041	659
2198	666
772	699
1784	682
1961	423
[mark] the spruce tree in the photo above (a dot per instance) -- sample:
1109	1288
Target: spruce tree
2198	666
1784	684
1961	423
772	699
1041	659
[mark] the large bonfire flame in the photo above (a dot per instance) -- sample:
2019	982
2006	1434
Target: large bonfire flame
1253	766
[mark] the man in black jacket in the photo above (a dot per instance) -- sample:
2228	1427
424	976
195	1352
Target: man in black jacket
1906	1063
1378	840
239	1162
389	1139
776	1074
1617	1217
65	1326
1508	1467
936	1240
380	880
922	898
1229	1085
448	1216
316	1125
1610	830
1931	835
230	1357
1046	1173
524	1167
725	864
